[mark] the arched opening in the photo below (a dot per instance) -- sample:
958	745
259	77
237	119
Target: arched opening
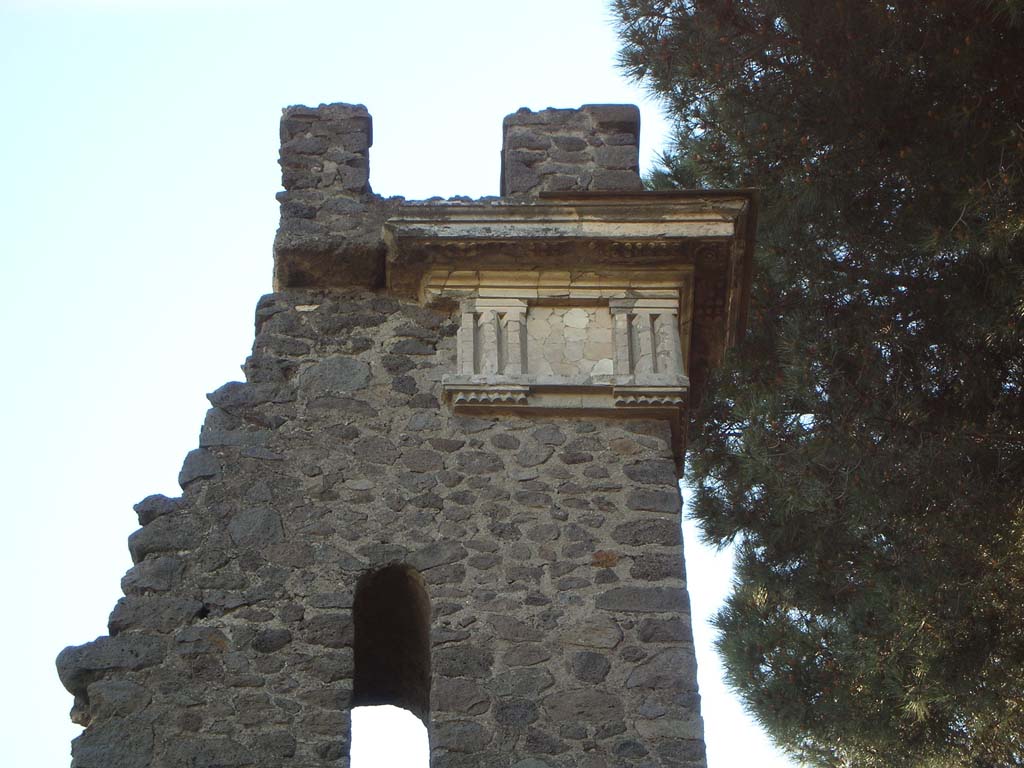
391	616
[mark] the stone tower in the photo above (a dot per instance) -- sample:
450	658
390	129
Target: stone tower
449	480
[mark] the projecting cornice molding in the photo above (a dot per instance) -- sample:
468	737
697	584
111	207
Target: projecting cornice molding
580	231
612	303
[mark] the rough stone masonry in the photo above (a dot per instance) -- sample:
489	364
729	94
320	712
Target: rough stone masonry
394	507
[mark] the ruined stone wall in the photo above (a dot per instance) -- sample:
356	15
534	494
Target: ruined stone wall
594	148
550	549
549	546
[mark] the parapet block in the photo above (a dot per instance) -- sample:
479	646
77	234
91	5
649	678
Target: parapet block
591	149
330	218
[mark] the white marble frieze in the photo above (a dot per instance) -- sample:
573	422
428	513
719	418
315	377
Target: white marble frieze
623	352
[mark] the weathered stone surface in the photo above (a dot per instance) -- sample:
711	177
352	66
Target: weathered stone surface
423	460
571	149
672	668
615	180
655	501
457	694
643	599
624	446
330	600
115	743
603	558
275	744
78	665
628	748
659	472
331	630
471	425
334	375
590	667
463	661
514	630
198	464
239	396
164	535
675	630
152	612
196	641
543	532
208	752
116	698
478	463
412	347
657	731
681	753
505	441
548	434
222	429
623	157
437	553
533	455
575	457
461	736
533	499
532	762
651	531
586	705
655	566
593	633
270	640
154	574
528	682
515	713
526	655
256	527
378	450
157	505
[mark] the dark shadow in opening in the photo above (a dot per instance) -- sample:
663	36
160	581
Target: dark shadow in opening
391	613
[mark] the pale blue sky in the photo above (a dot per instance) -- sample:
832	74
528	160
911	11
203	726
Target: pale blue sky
138	145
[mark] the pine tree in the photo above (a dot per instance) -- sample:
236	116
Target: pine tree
864	445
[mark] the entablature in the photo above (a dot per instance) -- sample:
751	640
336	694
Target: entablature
590	302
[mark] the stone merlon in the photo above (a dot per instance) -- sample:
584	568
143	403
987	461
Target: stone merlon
591	149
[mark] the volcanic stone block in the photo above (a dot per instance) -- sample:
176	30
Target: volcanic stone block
594	147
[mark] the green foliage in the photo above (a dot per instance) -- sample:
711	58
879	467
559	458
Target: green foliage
864	446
